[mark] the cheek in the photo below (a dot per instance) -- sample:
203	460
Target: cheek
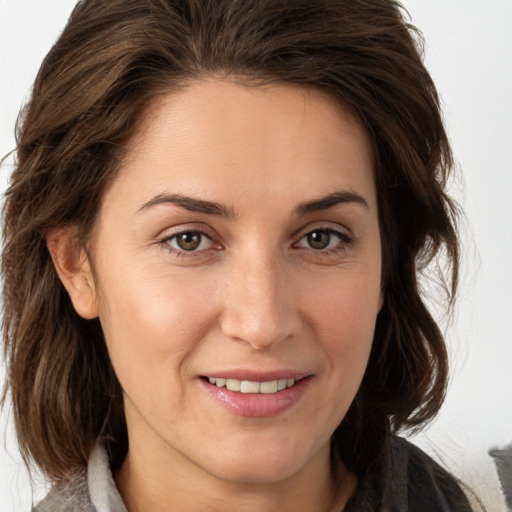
151	326
343	314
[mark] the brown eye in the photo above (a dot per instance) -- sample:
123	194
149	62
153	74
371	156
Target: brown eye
319	239
189	241
324	240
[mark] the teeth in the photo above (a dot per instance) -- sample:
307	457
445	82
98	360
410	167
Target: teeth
268	387
247	386
281	384
233	384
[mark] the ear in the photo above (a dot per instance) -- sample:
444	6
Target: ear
73	267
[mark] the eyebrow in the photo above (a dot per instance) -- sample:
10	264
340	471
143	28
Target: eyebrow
219	210
329	201
191	204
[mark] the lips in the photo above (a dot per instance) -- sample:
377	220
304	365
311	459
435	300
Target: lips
256	395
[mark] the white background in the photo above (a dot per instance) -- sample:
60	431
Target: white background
469	53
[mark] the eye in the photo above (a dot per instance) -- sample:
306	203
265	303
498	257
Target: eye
319	239
189	241
323	239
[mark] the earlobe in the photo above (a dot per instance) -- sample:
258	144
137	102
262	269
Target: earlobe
74	270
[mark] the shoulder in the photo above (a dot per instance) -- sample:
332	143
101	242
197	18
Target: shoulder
93	490
429	486
404	478
69	496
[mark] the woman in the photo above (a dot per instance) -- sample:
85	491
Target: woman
212	244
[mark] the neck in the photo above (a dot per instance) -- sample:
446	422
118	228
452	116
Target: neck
169	482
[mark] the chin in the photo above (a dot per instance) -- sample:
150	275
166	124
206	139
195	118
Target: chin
257	472
257	465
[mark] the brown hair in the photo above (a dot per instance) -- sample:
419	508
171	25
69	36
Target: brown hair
111	59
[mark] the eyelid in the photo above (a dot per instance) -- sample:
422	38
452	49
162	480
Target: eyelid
345	236
175	237
342	231
173	233
193	227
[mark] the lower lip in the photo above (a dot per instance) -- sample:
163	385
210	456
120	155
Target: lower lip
258	405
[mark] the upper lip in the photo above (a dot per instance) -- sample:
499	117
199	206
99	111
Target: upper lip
256	375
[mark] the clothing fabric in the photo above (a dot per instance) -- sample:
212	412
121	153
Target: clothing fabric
92	491
417	484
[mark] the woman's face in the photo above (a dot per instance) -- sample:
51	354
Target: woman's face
240	247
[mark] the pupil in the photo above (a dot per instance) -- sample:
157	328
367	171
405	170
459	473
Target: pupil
319	239
189	241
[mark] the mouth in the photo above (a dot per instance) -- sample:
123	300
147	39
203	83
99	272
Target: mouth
252	387
255	394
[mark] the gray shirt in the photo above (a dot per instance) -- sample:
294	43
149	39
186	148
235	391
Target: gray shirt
402	479
93	491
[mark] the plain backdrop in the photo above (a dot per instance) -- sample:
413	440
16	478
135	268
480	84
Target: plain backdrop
469	53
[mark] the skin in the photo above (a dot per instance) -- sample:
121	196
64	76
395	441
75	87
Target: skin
255	294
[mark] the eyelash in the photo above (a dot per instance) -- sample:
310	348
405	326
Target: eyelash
345	241
182	253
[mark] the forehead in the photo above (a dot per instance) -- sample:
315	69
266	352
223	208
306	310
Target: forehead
217	136
238	110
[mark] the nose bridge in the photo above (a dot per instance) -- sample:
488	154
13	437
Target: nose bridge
259	307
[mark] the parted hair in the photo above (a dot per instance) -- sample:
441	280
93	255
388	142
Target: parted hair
111	60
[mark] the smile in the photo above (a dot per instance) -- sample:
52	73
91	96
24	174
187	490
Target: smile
259	397
254	387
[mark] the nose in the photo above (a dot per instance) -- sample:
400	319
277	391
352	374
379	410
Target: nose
259	304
